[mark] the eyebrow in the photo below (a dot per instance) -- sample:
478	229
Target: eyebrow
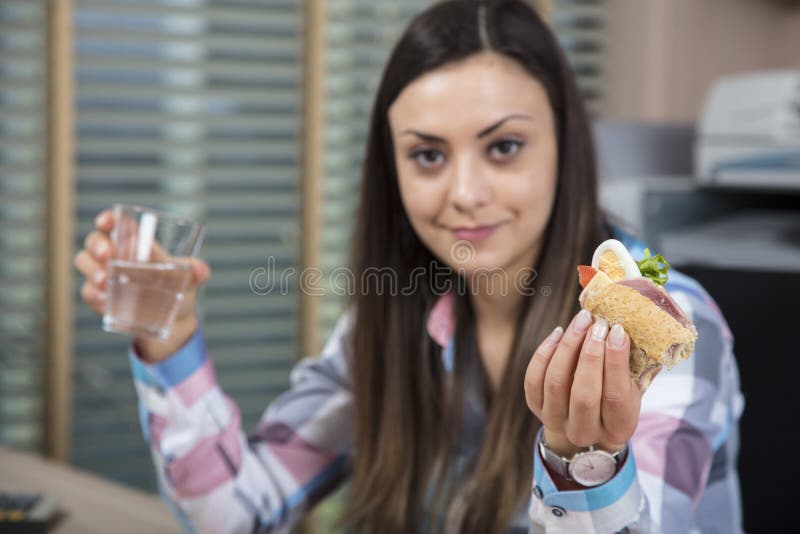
483	133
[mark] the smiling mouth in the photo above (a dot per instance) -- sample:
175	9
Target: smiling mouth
475	233
474	228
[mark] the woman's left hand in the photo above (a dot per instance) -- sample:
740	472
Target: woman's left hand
579	386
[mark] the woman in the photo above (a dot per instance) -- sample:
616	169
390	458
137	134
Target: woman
479	169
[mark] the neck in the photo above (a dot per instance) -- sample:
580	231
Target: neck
496	311
497	305
495	318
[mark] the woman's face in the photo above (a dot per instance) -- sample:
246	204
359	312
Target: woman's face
476	155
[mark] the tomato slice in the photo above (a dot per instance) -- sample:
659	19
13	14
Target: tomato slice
585	274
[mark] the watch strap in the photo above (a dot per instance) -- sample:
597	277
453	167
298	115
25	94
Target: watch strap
560	464
556	462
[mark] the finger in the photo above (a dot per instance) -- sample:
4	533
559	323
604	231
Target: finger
93	271
94	298
620	400
201	271
537	367
558	378
104	221
583	426
98	245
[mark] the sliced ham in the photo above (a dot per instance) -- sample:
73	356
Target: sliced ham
659	296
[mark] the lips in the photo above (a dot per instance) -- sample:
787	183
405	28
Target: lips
475	233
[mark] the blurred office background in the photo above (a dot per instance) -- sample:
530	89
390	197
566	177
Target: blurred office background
251	115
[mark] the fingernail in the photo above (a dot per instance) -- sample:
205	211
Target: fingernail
99	276
617	337
555	335
600	330
98	220
101	295
583	321
101	248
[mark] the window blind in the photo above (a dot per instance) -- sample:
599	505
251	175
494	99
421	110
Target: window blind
580	28
23	51
191	106
358	46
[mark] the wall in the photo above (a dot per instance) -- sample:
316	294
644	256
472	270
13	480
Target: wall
662	55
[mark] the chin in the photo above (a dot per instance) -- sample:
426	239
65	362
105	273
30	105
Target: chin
483	263
488	276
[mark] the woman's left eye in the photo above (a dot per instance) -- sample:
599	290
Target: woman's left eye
504	149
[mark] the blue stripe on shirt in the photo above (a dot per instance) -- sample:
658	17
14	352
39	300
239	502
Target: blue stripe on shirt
144	421
589	499
184	520
334	469
448	355
140	371
176	368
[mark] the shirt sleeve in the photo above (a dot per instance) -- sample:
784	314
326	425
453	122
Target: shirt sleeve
608	508
680	473
213	476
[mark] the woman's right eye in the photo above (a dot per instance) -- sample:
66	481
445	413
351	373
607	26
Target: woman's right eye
427	158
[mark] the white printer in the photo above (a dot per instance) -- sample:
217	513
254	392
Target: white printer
749	133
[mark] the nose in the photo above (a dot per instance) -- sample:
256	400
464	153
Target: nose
469	188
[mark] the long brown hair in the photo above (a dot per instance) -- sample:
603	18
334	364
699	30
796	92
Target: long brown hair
407	422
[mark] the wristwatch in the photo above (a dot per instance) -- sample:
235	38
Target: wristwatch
591	467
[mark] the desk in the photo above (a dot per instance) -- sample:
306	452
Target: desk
91	504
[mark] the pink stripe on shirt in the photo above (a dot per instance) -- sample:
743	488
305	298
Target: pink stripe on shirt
157	426
662	440
197	384
212	462
649	442
302	459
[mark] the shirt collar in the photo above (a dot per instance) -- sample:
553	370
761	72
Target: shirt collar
441	320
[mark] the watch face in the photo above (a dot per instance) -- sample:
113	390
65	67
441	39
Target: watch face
592	468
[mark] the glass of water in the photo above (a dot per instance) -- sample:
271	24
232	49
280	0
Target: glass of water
149	270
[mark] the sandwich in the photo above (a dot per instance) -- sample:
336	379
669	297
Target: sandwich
623	291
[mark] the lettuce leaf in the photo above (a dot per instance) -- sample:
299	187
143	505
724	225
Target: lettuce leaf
654	267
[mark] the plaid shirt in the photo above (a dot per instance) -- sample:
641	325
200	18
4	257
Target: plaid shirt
679	477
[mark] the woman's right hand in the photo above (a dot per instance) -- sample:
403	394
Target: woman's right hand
92	263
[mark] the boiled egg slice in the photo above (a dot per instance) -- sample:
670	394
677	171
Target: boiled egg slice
613	258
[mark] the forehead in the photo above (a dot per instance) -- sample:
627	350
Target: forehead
468	94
